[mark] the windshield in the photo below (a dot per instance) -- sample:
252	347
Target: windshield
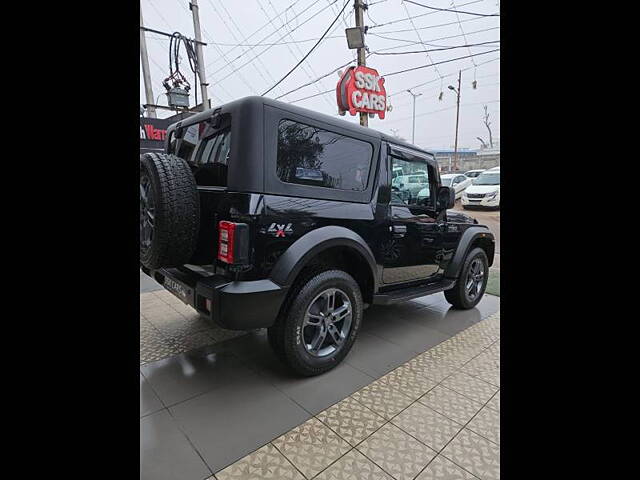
446	182
492	178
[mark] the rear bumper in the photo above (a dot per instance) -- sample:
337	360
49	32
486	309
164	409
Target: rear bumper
230	304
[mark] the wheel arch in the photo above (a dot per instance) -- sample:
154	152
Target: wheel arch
477	236
330	246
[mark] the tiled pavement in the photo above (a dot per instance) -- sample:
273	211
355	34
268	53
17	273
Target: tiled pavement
208	397
435	417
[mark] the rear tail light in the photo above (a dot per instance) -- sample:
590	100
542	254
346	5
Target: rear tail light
233	242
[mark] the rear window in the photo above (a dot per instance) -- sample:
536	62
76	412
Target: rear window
211	161
312	156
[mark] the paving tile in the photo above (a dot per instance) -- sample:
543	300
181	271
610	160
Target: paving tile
441	468
184	376
266	462
451	404
353	466
314	394
487	424
427	425
382	398
351	420
191	341
428	367
495	402
226	424
149	401
153	345
177	324
471	387
376	356
399	454
485	366
475	454
165	452
311	447
409	382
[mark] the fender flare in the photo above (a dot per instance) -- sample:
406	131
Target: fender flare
468	237
303	250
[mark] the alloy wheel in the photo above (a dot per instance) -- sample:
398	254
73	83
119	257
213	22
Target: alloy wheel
147	212
475	278
327	323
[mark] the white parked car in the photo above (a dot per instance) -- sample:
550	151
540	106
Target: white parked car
456	180
473	173
485	190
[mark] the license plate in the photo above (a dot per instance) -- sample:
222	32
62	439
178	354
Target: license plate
178	289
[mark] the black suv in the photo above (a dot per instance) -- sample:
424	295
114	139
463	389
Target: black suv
263	214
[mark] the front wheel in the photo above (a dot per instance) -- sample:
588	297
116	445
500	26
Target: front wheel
319	324
472	281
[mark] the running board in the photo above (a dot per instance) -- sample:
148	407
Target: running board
405	294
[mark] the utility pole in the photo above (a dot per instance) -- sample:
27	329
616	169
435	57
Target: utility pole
362	61
193	6
413	131
455	148
146	73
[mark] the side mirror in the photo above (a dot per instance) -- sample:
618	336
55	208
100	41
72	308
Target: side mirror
446	198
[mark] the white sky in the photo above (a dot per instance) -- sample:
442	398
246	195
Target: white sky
234	22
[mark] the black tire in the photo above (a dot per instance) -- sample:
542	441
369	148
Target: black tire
287	336
459	296
169	190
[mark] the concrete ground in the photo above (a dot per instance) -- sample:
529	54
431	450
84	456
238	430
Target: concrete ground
209	397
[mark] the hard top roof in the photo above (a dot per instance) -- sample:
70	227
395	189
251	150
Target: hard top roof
255	101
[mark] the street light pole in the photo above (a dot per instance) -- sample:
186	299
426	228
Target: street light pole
455	148
413	130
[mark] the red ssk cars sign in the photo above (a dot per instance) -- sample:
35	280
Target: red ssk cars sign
361	89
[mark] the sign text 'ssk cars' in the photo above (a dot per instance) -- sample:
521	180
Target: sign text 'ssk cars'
361	89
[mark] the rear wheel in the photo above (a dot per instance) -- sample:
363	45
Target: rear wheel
319	324
472	281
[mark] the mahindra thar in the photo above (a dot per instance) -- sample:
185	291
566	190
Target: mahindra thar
261	214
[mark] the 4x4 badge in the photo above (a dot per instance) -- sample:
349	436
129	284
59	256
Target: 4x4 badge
280	230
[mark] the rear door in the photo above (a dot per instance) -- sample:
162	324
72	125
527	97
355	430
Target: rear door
413	247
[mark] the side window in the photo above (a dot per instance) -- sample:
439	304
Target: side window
172	143
212	160
312	156
188	142
411	189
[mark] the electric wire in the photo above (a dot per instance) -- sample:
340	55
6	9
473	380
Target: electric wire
398	20
259	70
310	51
274	32
454	11
268	48
437	49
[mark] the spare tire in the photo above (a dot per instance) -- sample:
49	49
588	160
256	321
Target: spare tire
169	211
